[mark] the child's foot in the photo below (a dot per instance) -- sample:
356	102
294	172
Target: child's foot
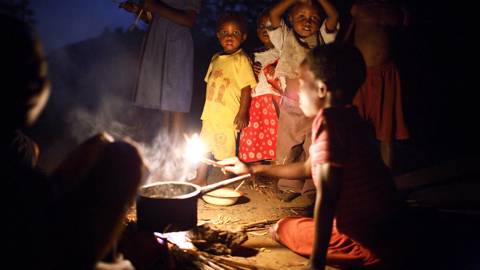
272	231
287	195
200	182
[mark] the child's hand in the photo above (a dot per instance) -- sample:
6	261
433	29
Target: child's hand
241	120
257	68
234	165
119	264
130	7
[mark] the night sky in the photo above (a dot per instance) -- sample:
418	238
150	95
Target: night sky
61	22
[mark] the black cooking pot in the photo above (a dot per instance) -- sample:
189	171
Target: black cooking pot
172	206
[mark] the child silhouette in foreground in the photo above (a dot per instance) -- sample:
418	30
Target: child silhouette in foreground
229	79
356	195
71	218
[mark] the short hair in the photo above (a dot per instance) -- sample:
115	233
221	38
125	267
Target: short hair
233	17
264	13
340	66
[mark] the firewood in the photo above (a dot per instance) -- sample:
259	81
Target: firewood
263	223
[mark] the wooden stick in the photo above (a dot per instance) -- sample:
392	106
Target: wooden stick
239	185
210	162
259	223
236	264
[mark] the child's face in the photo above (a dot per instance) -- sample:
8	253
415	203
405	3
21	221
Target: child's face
262	31
312	91
305	19
230	36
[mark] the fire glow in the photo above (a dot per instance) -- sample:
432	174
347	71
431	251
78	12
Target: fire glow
180	239
195	151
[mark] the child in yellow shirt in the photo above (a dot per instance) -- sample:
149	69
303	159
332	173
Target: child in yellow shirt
229	79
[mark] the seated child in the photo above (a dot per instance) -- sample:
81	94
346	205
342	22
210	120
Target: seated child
356	191
229	81
259	139
308	30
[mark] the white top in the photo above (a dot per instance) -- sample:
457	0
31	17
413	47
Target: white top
291	51
265	58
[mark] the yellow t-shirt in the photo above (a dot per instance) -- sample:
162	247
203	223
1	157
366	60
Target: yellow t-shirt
227	75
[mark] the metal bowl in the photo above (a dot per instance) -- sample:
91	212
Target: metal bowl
222	196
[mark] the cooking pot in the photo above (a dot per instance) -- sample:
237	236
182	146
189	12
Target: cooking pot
172	205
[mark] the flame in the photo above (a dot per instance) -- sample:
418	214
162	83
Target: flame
195	150
180	239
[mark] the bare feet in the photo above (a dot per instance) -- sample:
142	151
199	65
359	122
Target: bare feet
199	181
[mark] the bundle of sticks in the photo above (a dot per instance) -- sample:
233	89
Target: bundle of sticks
215	241
190	259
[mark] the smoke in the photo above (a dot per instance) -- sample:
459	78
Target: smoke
164	157
166	160
84	123
92	85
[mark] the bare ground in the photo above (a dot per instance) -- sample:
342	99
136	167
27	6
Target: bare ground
259	203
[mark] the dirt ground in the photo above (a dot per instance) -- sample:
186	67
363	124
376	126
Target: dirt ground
445	209
445	213
258	203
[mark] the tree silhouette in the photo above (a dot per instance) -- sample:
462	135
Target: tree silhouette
17	8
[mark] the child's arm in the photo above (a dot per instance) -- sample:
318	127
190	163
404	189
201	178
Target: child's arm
328	192
241	120
294	170
278	10
182	17
332	15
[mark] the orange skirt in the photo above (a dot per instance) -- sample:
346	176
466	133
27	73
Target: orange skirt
379	101
298	234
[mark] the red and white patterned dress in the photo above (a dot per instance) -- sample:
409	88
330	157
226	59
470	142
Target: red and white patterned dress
258	141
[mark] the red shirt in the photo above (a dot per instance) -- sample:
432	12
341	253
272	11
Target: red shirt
367	195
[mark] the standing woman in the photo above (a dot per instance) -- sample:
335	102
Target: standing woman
165	80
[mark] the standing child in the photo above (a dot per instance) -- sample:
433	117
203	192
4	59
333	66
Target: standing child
259	140
307	31
358	196
229	81
379	99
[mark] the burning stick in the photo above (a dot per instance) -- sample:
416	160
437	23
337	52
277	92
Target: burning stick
239	185
210	162
195	151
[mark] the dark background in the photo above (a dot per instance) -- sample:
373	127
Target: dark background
93	59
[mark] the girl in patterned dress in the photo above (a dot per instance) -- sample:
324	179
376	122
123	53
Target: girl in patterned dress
259	140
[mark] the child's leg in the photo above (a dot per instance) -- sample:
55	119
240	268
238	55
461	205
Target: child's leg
178	126
202	172
387	151
166	124
293	128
